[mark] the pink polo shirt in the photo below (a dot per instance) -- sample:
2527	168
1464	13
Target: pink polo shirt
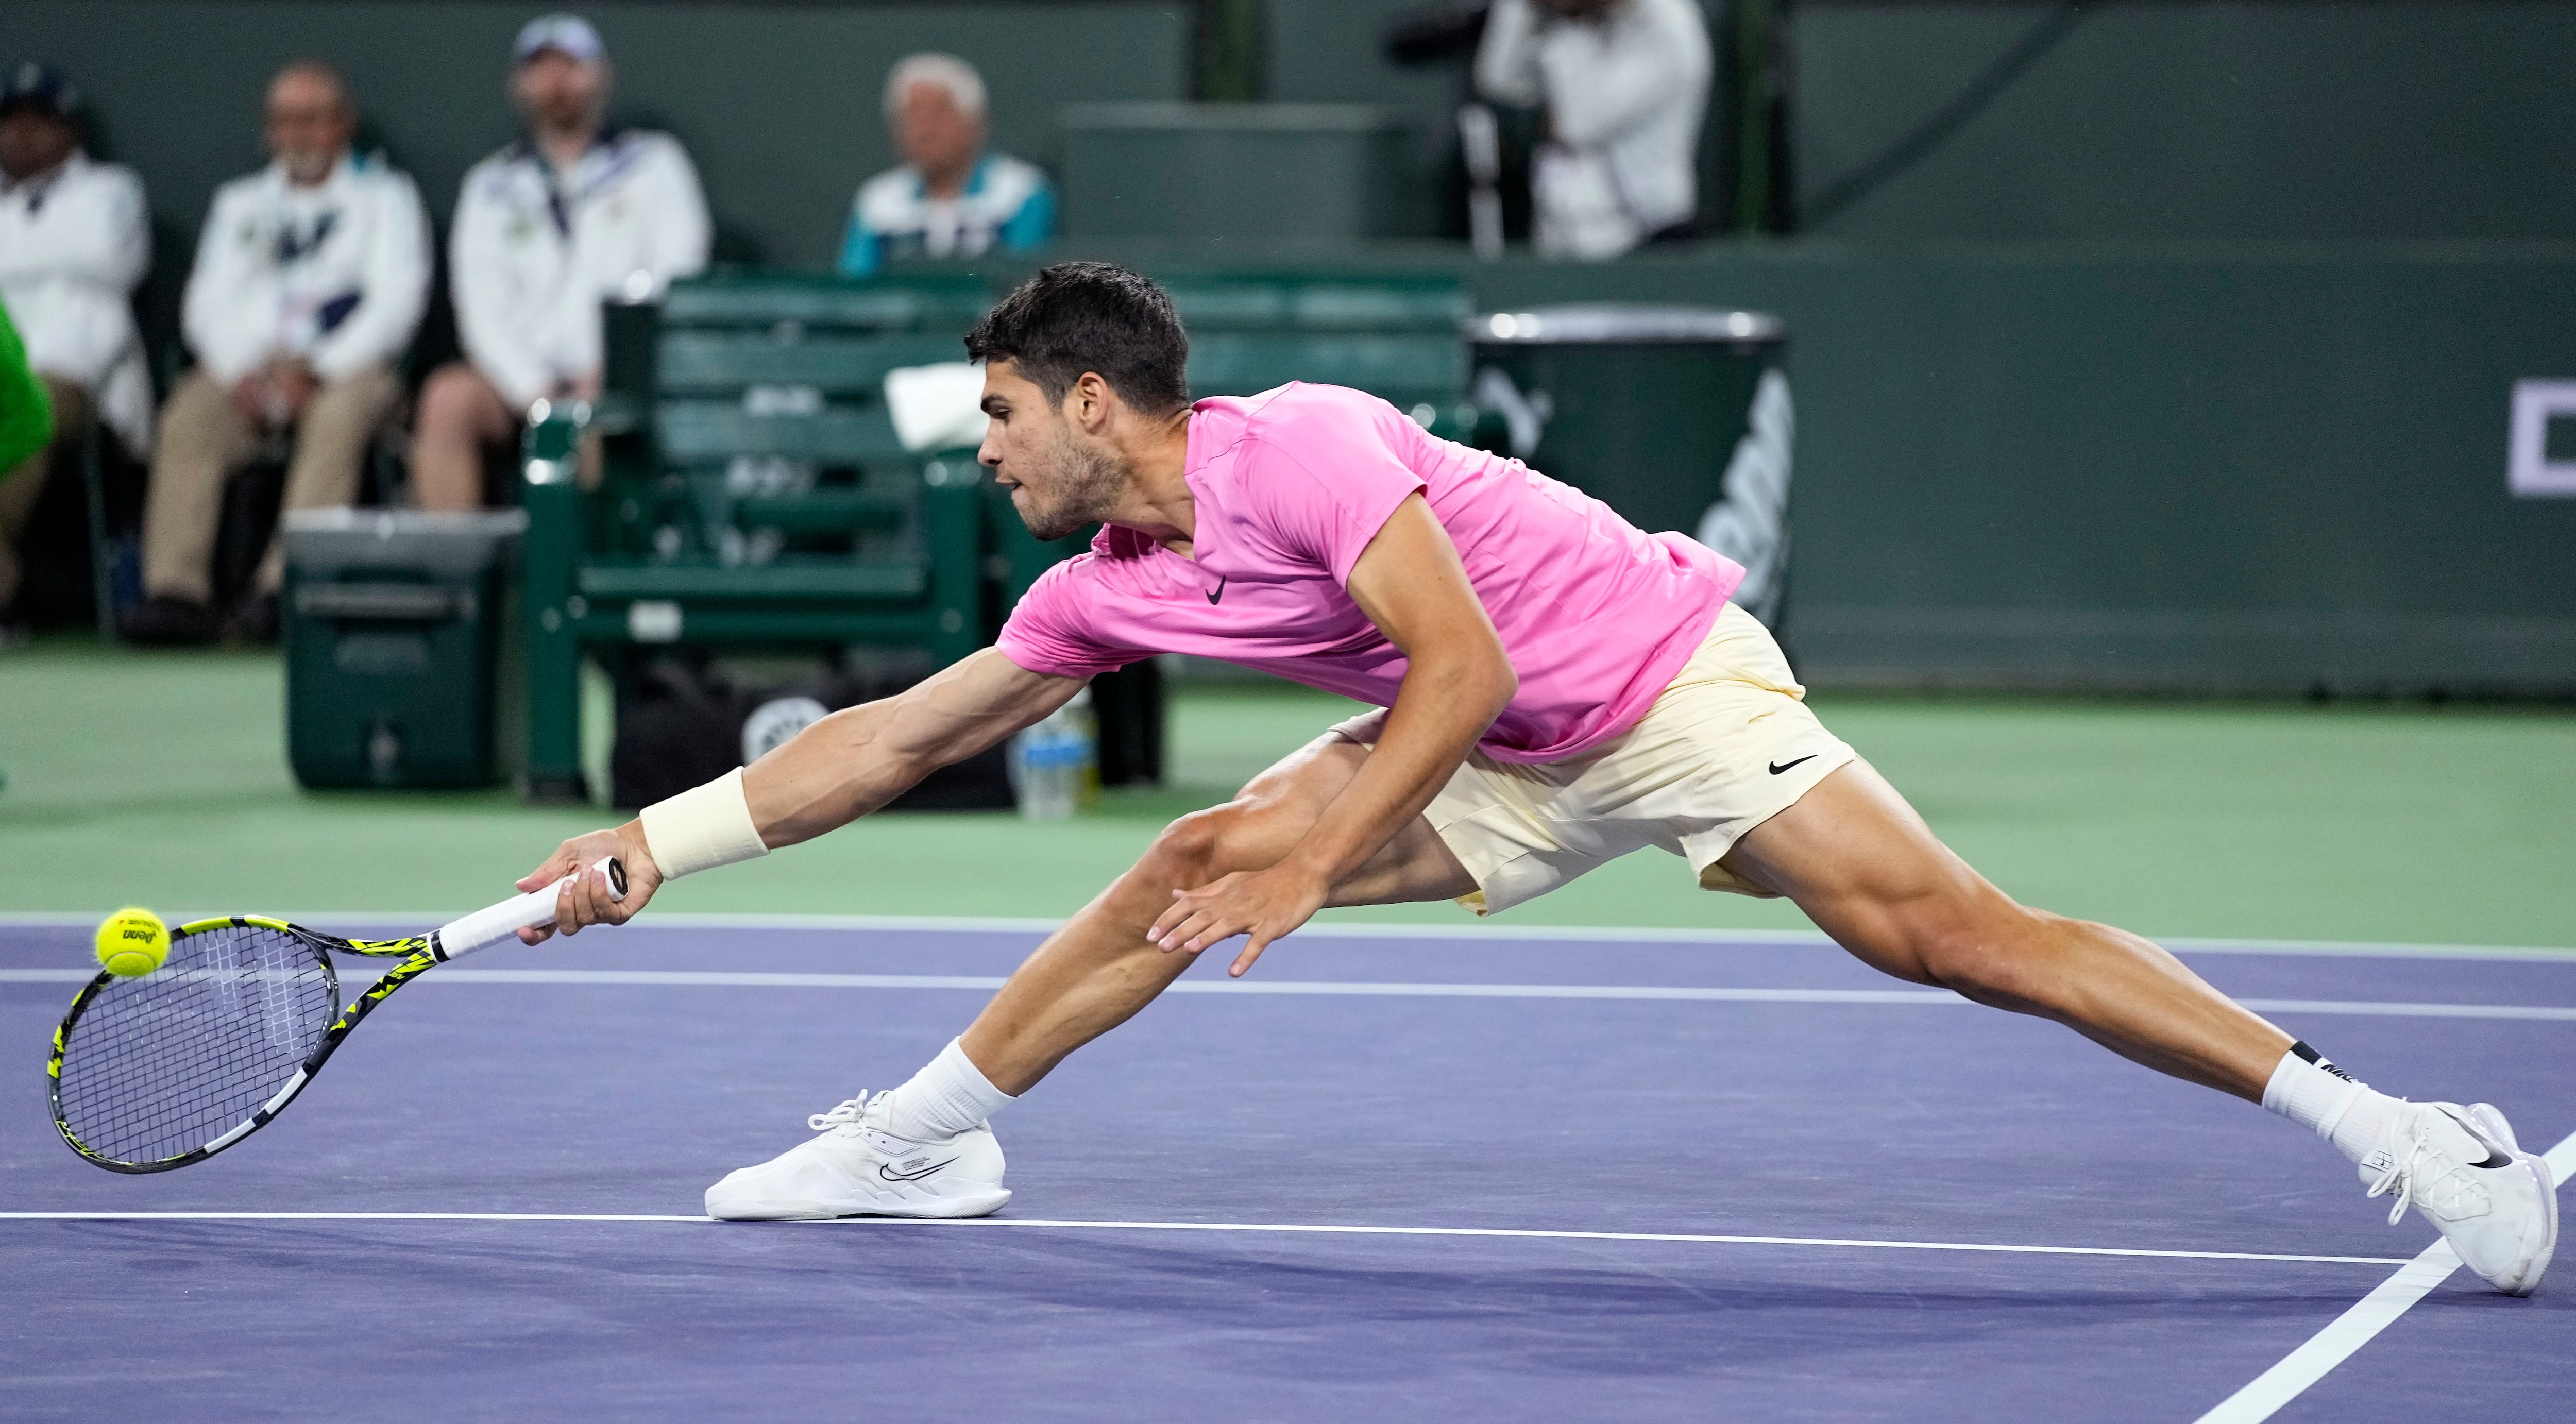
1290	485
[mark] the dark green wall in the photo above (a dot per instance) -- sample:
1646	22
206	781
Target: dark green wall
2161	466
2258	119
2396	120
2153	454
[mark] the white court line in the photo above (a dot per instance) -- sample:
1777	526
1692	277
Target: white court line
2293	1373
2366	949
1358	988
1608	934
1288	1227
2541	1012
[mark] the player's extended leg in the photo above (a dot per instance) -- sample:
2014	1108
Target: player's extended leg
1099	969
923	1149
1869	872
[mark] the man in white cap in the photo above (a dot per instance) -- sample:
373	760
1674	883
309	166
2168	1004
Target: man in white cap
74	241
950	197
310	281
573	214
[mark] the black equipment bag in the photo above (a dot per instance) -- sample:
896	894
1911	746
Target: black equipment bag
680	725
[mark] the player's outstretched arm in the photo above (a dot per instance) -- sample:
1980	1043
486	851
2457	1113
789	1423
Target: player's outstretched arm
857	760
825	777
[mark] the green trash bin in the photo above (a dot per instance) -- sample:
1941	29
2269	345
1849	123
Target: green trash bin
392	623
1677	417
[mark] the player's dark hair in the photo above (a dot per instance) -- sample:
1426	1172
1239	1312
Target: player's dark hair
1090	316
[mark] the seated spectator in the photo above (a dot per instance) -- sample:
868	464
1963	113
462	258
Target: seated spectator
950	198
1624	84
310	280
571	215
74	241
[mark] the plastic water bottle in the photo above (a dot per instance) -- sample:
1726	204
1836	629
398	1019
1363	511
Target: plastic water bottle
1055	765
1038	780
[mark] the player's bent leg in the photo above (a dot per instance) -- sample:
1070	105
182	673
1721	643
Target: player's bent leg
924	1149
1099	969
1866	869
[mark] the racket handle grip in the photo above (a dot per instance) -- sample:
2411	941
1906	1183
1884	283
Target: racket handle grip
495	923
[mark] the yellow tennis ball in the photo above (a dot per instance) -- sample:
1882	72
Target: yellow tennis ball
132	941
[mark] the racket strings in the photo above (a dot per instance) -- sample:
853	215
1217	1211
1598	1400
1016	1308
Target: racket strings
160	1065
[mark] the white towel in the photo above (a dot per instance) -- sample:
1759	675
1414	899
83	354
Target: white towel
937	407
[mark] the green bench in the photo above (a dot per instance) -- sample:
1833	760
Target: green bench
752	491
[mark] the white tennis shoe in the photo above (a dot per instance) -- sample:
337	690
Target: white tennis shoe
2462	1168
858	1168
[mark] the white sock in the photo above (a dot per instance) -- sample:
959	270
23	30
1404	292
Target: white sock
949	1096
2312	1092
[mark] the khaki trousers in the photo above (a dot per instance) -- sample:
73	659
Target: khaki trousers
203	440
22	487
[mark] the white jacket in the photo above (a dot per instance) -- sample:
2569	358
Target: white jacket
531	257
337	273
73	244
1625	94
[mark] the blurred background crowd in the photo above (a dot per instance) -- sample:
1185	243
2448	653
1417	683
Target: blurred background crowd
303	308
312	275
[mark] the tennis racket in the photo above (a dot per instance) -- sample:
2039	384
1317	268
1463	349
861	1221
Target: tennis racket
171	1067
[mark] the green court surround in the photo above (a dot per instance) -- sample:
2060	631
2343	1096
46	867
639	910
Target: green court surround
161	779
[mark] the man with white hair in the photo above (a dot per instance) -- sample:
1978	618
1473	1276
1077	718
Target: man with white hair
950	197
574	214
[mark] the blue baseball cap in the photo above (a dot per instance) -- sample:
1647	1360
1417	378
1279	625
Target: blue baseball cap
569	35
40	85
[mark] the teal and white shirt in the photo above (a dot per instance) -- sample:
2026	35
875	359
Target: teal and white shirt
1006	201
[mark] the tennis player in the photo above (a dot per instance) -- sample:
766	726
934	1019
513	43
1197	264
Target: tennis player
1558	689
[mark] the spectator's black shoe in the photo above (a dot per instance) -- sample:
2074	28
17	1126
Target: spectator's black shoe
256	620
169	620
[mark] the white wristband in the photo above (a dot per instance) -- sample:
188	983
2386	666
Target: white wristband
702	828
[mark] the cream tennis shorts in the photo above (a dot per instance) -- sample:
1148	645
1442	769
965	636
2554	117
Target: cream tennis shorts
1728	745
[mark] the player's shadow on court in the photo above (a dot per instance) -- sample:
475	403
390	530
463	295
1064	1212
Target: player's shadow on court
1387	1309
1731	1301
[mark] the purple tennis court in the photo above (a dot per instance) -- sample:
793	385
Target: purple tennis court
1389	1177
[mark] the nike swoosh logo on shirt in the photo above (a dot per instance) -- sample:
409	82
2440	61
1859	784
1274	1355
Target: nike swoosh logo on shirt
1779	767
914	1176
1220	591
